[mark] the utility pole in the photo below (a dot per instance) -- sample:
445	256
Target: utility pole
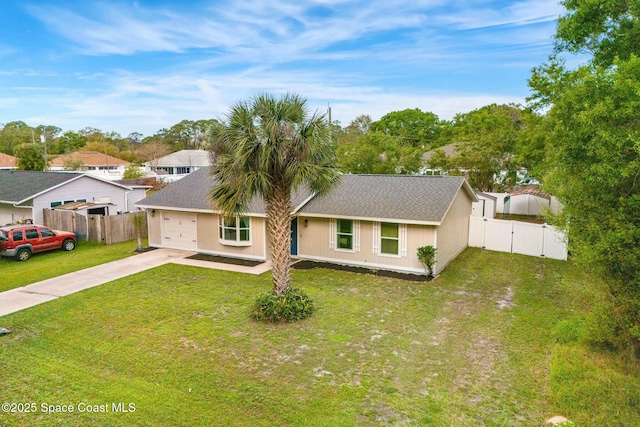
43	139
106	158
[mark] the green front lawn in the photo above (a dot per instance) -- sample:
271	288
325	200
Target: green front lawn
489	342
46	265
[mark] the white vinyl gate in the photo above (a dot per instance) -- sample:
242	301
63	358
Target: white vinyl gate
517	237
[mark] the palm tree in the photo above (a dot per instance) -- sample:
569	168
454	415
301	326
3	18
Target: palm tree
270	148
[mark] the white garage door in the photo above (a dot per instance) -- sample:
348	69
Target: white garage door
179	230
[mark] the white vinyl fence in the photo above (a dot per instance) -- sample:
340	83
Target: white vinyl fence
517	237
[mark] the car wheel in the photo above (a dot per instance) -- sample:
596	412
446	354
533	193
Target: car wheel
69	245
23	254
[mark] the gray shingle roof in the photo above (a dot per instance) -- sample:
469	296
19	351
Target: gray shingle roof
185	158
16	185
192	193
392	197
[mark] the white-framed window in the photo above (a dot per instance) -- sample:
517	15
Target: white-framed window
389	238
344	237
234	230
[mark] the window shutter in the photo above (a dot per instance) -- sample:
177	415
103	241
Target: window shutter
376	238
332	233
356	236
403	239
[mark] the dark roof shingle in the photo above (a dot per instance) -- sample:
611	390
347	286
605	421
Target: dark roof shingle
18	185
392	197
192	192
406	197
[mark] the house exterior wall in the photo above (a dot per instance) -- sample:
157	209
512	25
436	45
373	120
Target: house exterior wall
154	228
83	188
484	208
114	173
207	235
314	243
527	204
135	196
453	233
10	213
208	241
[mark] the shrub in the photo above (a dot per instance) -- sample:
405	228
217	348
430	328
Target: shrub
293	304
427	256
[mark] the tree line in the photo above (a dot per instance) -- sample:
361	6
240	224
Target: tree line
490	142
31	145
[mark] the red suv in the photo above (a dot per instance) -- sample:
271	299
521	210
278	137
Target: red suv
20	241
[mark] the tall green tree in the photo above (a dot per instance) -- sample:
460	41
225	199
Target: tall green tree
30	157
486	145
69	142
376	152
188	134
13	135
593	147
410	126
270	148
606	30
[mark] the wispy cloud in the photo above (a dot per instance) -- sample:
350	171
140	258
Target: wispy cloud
138	66
492	14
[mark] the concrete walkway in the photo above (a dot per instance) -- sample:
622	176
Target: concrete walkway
36	293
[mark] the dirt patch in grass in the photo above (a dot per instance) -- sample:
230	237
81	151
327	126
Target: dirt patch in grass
310	265
225	260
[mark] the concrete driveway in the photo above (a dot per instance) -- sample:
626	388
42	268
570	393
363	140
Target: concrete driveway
36	293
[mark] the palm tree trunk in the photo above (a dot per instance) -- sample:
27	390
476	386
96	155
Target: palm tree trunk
279	228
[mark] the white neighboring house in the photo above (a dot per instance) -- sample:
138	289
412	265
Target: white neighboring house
24	194
92	163
175	166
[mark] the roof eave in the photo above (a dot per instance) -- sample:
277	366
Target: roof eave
372	219
195	210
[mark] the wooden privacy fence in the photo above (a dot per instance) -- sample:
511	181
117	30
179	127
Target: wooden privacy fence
517	237
96	228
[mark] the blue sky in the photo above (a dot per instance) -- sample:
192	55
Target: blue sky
139	66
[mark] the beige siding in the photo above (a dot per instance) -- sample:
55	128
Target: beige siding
208	241
453	233
154	228
207	236
313	243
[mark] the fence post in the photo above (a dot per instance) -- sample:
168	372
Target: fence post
484	232
106	230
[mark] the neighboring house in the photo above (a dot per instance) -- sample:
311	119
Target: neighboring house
7	162
24	194
427	168
91	162
528	200
373	221
177	165
485	207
